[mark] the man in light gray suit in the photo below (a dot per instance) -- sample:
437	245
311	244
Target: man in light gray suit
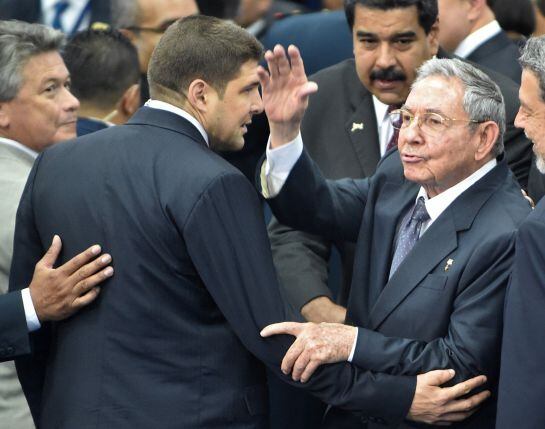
36	109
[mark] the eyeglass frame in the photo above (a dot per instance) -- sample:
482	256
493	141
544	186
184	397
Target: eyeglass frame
419	122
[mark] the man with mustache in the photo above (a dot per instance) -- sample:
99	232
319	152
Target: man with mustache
346	132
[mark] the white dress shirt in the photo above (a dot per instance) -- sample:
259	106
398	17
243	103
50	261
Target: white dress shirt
70	17
32	321
477	38
280	162
384	126
157	104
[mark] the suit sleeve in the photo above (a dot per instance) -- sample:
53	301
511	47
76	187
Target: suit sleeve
227	241
474	331
522	385
310	203
301	261
14	340
27	251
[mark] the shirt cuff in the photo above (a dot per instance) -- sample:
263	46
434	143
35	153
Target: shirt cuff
351	356
279	164
32	321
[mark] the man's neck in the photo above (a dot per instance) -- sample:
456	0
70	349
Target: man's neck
486	18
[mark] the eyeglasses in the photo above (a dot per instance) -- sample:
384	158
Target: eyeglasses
429	122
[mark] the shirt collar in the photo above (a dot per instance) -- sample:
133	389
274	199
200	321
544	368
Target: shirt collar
19	146
438	204
157	104
381	110
477	38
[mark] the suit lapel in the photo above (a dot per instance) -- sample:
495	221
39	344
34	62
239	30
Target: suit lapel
438	241
361	127
490	47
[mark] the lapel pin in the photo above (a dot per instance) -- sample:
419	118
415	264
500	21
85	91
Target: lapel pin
357	126
449	264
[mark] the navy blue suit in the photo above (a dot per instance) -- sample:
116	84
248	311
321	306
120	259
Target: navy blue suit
522	383
88	125
173	339
14	339
442	308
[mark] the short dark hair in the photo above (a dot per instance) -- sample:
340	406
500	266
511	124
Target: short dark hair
103	64
201	47
518	16
427	9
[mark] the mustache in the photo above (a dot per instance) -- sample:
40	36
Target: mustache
389	74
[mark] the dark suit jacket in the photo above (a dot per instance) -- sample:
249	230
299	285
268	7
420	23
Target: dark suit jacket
173	338
323	38
88	125
431	313
341	101
14	339
30	10
522	384
501	54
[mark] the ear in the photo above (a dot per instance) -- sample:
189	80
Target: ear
200	94
130	101
433	38
475	9
487	135
4	115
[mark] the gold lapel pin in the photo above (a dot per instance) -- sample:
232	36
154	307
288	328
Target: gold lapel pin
449	264
357	126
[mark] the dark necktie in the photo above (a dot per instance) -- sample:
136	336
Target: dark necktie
409	232
393	140
60	8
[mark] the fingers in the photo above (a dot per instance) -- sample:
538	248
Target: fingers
89	281
86	299
80	260
309	370
297	65
465	387
307	89
300	364
52	253
263	77
283	63
292	355
439	376
466	405
289	328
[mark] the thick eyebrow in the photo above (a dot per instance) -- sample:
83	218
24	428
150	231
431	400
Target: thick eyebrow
402	35
438	111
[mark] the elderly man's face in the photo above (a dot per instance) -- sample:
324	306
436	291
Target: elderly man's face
155	17
228	116
43	105
389	45
531	115
438	161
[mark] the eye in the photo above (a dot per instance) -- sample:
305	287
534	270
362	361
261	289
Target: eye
368	43
434	120
51	88
68	85
406	118
402	44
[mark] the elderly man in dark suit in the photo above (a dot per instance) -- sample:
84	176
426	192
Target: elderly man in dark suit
174	338
522	385
346	132
434	231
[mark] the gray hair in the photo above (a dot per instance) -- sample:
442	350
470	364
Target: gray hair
19	42
483	100
125	13
533	59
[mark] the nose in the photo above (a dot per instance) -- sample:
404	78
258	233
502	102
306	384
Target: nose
256	106
411	134
519	121
385	57
69	102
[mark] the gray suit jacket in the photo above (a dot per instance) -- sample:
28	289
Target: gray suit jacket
15	166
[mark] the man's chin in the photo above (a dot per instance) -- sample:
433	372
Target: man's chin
540	164
234	145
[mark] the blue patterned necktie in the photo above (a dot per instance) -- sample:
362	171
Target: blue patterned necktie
409	232
60	8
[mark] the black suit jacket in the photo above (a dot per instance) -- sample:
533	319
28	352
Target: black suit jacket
442	308
14	340
501	54
522	384
342	150
89	125
30	10
173	339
